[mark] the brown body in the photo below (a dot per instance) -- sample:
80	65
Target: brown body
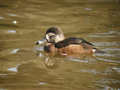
69	50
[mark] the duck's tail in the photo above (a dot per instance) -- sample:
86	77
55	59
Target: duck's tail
95	50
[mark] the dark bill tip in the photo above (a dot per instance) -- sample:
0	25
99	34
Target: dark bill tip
40	42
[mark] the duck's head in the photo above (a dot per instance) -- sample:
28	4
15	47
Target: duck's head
52	35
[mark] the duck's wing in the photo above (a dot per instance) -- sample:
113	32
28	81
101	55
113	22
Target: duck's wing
72	40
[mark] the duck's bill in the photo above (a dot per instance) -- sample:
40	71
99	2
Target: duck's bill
40	42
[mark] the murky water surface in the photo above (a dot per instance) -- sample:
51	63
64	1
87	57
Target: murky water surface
22	22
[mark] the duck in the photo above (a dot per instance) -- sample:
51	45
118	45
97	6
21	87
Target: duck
55	42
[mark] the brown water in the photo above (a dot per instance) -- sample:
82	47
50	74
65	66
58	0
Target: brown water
22	22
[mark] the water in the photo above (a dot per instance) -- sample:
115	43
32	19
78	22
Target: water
24	22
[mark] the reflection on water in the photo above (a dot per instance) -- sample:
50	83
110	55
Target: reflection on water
25	66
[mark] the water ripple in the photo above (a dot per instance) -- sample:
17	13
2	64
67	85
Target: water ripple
108	60
107	55
105	34
108	80
88	9
42	83
3	74
112	49
11	31
39	48
1	17
116	69
103	83
14	69
12	14
78	60
107	43
14	51
90	71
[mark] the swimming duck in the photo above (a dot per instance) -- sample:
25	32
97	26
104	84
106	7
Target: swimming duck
57	43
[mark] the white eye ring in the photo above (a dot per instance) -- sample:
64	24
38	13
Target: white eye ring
47	37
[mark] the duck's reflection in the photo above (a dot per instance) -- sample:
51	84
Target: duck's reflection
54	60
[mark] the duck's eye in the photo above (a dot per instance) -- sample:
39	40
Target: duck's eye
52	37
